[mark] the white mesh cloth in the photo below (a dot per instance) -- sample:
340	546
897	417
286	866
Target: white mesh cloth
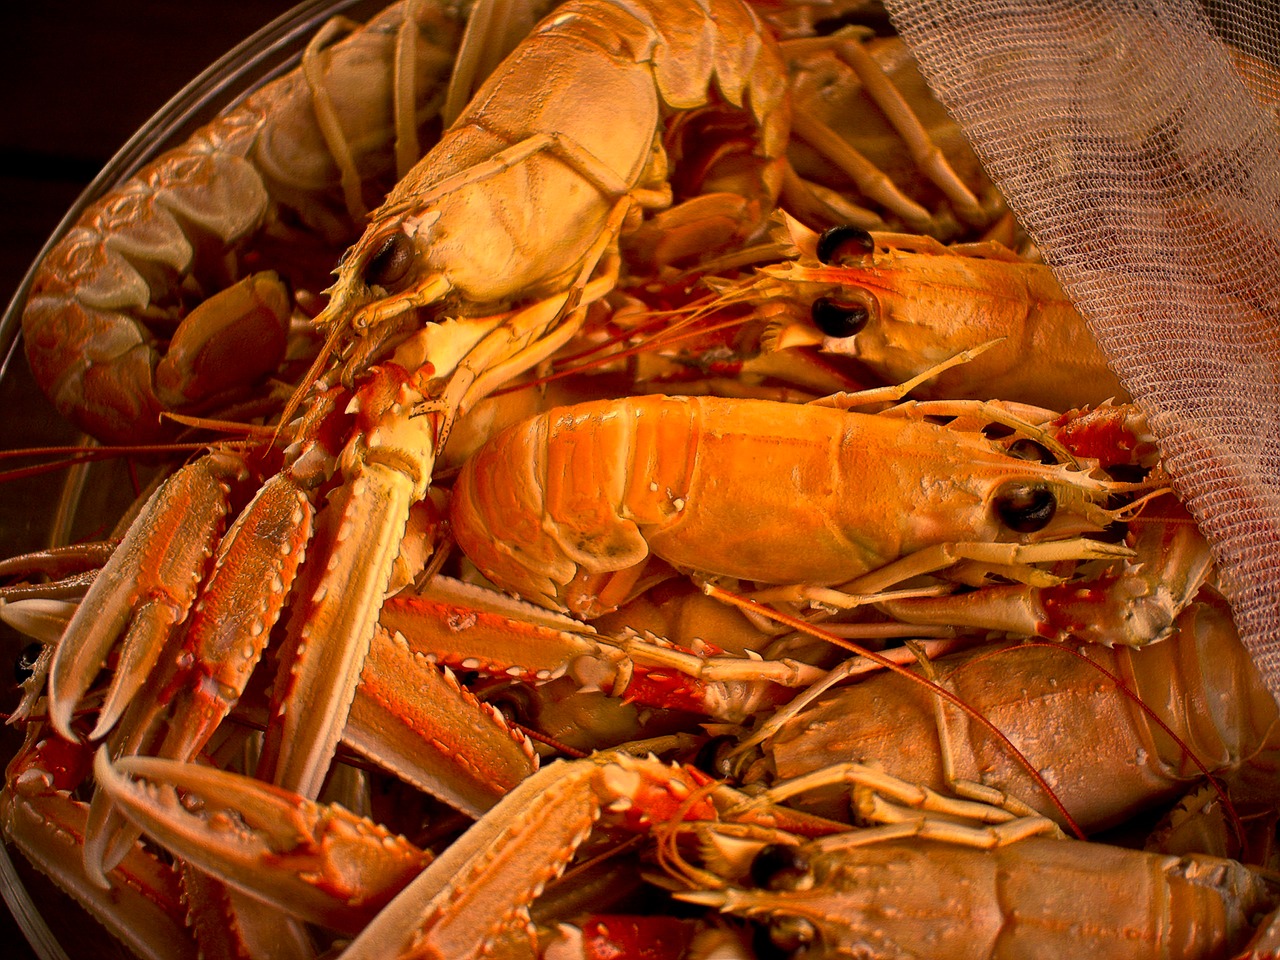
1136	143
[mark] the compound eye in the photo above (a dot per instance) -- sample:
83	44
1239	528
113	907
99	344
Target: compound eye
792	937
845	244
716	756
782	867
779	866
515	704
391	263
1026	449
1025	507
839	320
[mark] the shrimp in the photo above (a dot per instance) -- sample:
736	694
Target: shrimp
567	508
1033	898
472	270
1117	759
525	192
933	875
122	321
900	304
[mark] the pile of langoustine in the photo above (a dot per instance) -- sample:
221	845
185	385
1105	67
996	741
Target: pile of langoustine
835	636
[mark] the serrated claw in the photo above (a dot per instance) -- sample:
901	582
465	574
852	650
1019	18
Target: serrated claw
414	718
174	533
318	862
387	466
138	900
470	897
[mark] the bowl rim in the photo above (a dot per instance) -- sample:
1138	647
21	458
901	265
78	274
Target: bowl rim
257	60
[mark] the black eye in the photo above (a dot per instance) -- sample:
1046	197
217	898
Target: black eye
1028	449
515	704
839	245
1025	508
786	937
24	667
391	262
715	755
780	867
838	320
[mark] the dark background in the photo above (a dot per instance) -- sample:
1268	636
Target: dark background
77	79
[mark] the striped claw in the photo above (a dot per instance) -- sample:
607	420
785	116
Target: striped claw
477	895
176	531
318	862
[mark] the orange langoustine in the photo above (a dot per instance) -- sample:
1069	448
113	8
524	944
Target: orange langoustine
651	174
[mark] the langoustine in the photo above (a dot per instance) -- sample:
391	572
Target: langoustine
375	259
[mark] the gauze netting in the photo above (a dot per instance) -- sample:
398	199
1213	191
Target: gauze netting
1136	142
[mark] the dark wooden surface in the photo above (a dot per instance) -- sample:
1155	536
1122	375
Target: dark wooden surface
78	78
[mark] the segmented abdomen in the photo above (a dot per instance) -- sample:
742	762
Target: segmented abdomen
771	492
